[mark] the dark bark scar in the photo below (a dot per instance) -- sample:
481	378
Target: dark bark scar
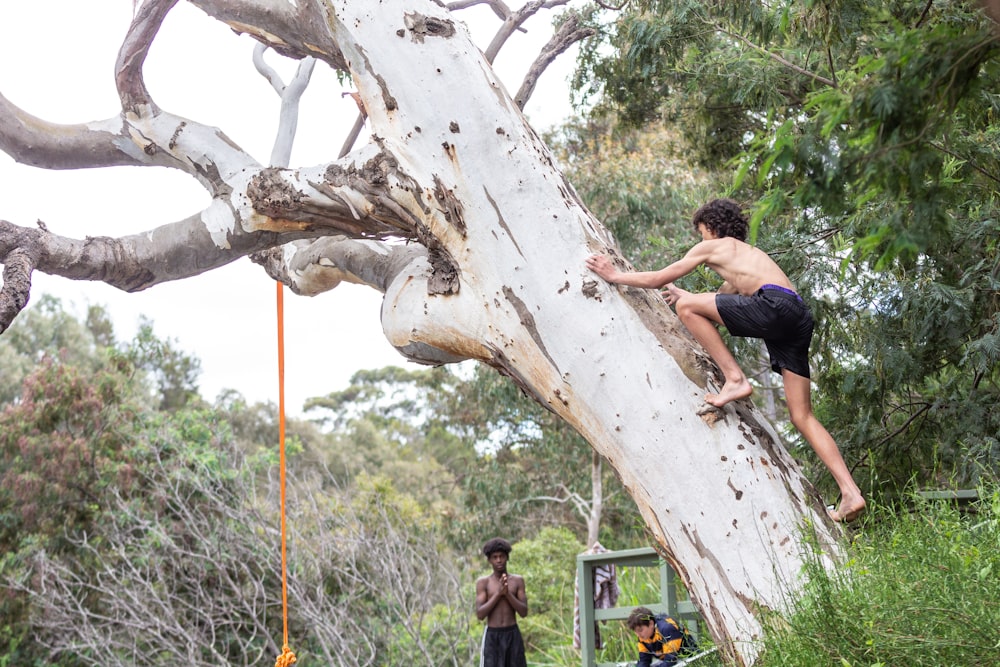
450	206
421	26
501	221
528	322
590	289
387	99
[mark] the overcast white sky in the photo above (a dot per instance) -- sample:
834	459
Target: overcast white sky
57	62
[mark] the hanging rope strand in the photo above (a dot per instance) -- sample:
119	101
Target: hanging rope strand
287	658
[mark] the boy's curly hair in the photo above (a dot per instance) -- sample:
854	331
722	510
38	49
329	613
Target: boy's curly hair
496	544
724	218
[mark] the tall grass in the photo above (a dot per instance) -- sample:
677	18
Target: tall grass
921	589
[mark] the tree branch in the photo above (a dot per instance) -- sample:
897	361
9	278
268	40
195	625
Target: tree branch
974	165
775	57
499	8
132	54
583	507
568	34
290	95
511	23
39	143
319	266
162	140
293	29
130	263
18	265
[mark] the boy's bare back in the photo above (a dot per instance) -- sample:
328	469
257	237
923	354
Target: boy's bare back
744	267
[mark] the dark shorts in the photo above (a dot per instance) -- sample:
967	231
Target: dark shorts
778	316
503	647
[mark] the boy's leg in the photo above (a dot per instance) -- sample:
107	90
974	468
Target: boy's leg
700	315
797	395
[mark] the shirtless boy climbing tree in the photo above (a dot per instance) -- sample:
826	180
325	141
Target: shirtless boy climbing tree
755	300
499	596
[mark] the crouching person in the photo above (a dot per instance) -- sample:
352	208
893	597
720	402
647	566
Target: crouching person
662	640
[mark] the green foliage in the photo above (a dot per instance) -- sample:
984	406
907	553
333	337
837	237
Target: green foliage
920	589
44	329
547	562
112	510
392	543
47	328
477	448
64	444
173	372
399	424
71	448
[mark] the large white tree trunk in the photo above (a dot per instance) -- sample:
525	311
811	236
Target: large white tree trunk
494	271
719	493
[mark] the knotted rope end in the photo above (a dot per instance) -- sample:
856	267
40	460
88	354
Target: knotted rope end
286	659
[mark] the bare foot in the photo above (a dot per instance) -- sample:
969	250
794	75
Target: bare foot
731	391
849	511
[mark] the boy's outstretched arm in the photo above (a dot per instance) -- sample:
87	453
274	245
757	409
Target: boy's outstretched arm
602	266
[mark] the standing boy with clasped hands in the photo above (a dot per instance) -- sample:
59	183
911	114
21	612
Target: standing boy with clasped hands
499	596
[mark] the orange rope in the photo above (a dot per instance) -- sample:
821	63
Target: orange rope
287	658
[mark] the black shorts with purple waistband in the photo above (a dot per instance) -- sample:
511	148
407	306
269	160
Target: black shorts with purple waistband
777	315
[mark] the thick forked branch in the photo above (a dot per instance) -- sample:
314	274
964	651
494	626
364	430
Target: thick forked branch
266	207
143	135
346	198
256	210
253	208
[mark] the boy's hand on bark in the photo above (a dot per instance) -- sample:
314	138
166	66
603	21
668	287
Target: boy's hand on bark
601	265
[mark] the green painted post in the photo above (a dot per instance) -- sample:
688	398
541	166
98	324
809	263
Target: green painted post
585	586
